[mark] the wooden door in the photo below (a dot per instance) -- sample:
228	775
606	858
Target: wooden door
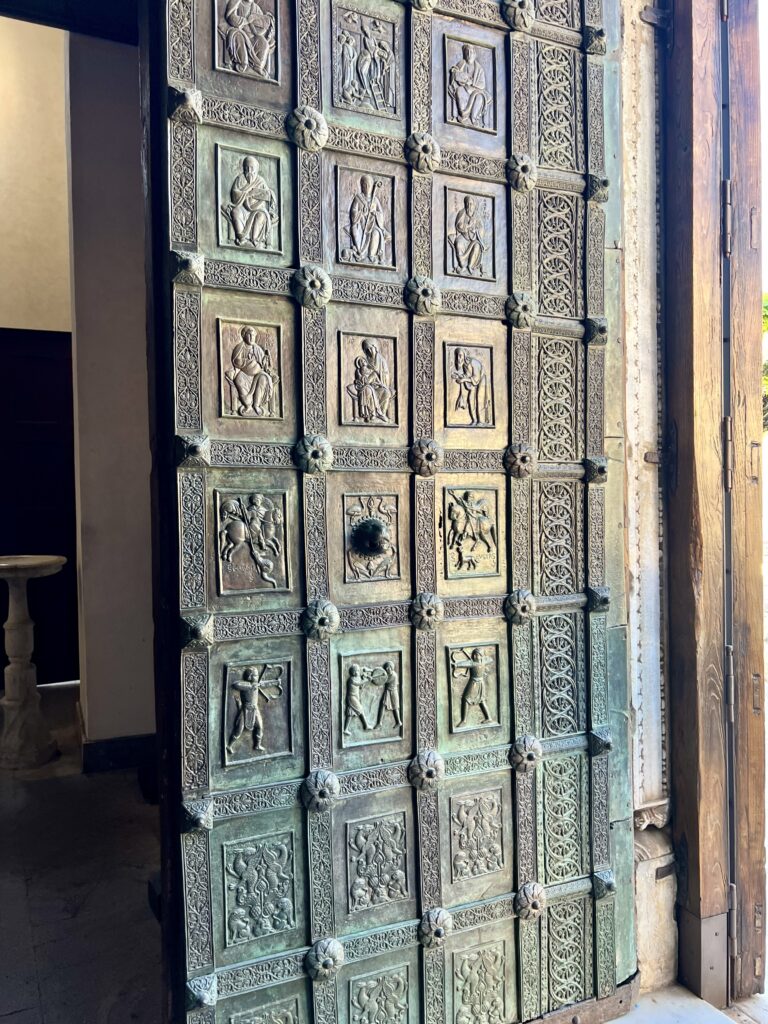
387	232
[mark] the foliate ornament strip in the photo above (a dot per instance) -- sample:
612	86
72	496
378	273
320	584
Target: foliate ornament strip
367	292
524	233
525	785
355	140
390	776
320	706
194	721
474	607
371	459
193	571
569	960
308	17
323	918
255	625
521	389
523	140
595	400
186	338
428	811
474	10
521	536
434	985
477	761
198	915
314	326
605	947
595	284
598	668
457	460
237	981
205	1015
499	909
426	690
490	307
473	165
421	231
531	981
181	40
426	559
310	188
325	1002
601	852
523	680
384	941
315	536
250	801
183	145
595	117
243	116
251	454
421	72
424	376
223	274
596	536
375	616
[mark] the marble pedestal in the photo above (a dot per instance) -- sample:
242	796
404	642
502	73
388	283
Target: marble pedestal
25	741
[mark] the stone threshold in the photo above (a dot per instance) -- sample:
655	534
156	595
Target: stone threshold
675	1005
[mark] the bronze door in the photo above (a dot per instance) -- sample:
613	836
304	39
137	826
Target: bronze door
388	227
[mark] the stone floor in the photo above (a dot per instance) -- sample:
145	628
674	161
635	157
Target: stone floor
78	943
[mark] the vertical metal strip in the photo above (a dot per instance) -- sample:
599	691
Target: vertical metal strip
320	706
421	71
315	534
193	572
424	376
321	887
605	946
198	916
424	525
194	721
310	196
187	330
308	19
435	1011
313	338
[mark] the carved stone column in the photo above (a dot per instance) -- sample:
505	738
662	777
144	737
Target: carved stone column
25	741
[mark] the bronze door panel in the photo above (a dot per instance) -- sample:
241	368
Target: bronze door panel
397	724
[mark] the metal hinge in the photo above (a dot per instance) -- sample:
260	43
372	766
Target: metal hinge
728	453
733	921
730	694
727	218
661	18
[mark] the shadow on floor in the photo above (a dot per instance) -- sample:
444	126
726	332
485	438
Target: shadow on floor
78	942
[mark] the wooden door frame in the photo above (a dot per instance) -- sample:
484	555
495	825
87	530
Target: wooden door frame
699	289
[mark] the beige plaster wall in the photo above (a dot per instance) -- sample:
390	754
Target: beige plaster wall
34	207
111	406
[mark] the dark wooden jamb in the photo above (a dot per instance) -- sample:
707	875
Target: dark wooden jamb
748	854
691	120
107	19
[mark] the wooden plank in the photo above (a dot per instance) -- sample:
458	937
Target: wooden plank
746	367
692	125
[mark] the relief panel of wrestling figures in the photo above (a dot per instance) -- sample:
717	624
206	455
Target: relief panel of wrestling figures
367	358
469	253
471	381
371	686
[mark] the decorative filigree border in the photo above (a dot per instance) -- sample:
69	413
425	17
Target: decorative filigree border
186	339
198	913
193	591
320	706
194	720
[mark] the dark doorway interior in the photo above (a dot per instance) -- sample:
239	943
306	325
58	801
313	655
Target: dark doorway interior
37	511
